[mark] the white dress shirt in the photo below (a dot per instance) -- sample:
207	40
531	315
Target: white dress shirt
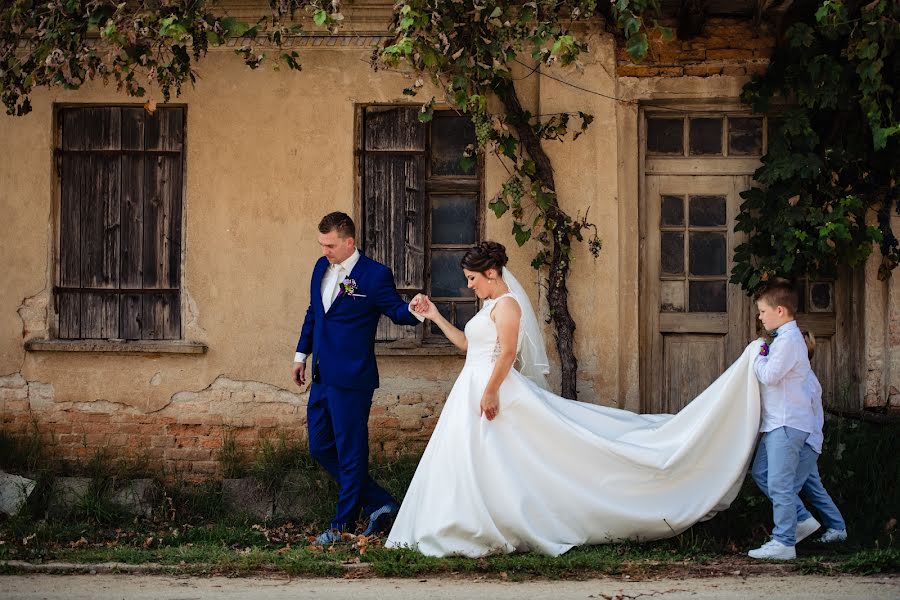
331	285
782	377
814	390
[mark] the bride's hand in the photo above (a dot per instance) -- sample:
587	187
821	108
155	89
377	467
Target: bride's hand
490	405
426	308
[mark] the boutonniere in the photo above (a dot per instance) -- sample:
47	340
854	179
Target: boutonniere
349	288
768	339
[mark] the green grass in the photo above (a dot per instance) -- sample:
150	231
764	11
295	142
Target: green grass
193	531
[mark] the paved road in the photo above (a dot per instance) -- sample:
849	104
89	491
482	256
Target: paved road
144	587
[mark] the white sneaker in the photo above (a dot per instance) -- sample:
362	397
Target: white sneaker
806	528
833	535
774	550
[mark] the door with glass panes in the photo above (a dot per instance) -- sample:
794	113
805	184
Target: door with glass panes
693	322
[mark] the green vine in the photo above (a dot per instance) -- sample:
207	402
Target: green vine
469	50
137	45
829	177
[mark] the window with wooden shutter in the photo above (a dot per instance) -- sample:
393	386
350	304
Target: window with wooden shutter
121	173
421	210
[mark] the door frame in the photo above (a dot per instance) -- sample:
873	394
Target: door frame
648	335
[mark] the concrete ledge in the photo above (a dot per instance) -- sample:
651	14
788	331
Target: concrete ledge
121	347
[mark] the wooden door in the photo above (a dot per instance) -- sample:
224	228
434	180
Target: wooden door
694	322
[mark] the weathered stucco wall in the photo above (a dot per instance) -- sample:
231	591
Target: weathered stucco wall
268	153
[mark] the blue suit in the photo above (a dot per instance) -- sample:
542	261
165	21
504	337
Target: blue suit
344	377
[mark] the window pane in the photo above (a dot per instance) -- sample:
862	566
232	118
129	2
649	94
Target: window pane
453	220
665	136
449	138
706	136
707	253
745	136
672	212
707	296
672	253
447	279
820	296
445	309
464	313
671	298
707	211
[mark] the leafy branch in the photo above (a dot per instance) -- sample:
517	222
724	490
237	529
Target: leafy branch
829	177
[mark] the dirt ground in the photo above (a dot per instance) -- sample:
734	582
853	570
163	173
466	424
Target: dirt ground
146	587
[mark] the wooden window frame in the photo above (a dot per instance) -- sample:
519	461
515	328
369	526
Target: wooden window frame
424	342
160	343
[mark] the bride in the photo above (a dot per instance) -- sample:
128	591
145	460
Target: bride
512	467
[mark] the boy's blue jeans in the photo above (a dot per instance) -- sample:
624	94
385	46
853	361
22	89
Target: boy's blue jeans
782	465
821	501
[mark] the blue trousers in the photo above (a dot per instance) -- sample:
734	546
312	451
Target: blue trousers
820	500
338	426
782	465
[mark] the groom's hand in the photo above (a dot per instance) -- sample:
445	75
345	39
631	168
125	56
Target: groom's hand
419	303
299	373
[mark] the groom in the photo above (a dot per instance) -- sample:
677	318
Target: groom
348	294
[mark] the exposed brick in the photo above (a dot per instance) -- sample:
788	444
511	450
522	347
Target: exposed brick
733	71
69	438
206	467
763	53
709	43
188	430
702	70
728	53
671	71
57	427
162	441
187	454
637	71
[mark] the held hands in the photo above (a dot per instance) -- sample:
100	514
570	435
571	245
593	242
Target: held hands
490	405
423	306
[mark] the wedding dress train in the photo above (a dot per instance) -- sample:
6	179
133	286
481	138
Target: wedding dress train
549	473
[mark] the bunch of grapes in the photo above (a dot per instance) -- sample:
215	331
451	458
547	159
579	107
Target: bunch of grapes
483	130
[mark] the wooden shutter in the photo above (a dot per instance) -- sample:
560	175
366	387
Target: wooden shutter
394	203
120	223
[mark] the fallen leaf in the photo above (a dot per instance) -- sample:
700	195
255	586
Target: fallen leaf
150	106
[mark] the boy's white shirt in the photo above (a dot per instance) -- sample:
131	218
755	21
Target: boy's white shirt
814	391
783	382
331	286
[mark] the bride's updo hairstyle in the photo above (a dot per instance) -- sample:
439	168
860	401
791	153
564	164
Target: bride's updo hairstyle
484	256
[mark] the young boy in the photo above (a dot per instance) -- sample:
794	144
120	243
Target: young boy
784	460
836	529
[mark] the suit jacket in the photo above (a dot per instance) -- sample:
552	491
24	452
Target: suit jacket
342	341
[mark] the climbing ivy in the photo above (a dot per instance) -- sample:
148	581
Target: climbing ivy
828	181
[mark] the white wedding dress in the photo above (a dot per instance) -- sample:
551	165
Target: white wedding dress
548	473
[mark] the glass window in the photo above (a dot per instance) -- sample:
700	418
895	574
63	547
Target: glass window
665	136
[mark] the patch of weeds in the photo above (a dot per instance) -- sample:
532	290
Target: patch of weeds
96	505
231	459
184	501
274	460
26	453
869	562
